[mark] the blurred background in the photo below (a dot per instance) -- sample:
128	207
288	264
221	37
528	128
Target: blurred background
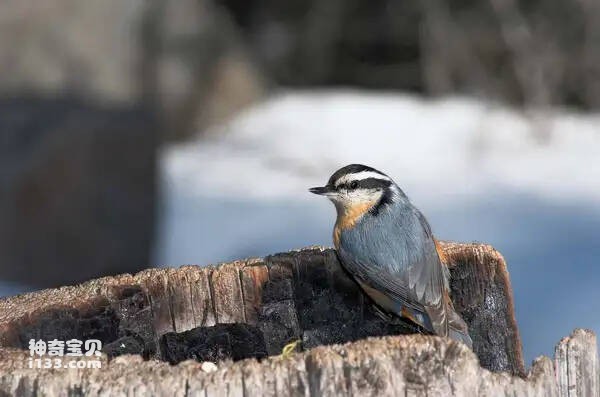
140	133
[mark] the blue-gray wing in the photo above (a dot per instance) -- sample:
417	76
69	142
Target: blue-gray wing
395	253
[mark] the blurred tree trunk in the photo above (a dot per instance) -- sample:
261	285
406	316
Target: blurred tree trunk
77	189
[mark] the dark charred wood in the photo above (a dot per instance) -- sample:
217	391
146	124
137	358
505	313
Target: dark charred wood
303	295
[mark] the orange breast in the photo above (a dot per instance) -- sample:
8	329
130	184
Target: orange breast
349	217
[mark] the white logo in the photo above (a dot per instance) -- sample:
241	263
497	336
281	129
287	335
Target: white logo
57	349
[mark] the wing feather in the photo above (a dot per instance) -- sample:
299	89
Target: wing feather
395	253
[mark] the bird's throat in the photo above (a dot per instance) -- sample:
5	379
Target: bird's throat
348	216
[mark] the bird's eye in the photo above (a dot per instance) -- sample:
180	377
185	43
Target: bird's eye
353	185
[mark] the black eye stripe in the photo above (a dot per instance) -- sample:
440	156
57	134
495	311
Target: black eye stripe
373	183
369	183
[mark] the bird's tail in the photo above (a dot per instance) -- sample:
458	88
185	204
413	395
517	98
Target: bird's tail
457	328
447	322
461	337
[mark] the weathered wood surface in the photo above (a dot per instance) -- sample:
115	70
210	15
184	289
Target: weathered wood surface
302	295
576	364
407	365
253	308
482	294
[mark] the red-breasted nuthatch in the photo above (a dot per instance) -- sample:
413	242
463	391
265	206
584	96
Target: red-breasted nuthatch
386	244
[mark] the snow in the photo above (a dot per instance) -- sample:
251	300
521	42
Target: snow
456	146
525	182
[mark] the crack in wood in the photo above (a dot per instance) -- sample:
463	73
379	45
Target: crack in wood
311	287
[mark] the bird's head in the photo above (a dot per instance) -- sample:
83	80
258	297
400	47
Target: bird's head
357	188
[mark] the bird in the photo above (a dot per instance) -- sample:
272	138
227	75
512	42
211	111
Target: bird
387	246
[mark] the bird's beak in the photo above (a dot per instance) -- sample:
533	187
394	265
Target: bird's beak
321	191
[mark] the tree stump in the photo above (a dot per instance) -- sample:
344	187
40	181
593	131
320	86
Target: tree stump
251	309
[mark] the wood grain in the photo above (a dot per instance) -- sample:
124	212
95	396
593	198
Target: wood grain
408	365
304	295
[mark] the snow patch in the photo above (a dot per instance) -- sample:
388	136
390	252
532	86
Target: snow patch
453	147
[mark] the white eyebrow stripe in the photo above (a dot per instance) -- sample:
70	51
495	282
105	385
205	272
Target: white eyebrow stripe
359	176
